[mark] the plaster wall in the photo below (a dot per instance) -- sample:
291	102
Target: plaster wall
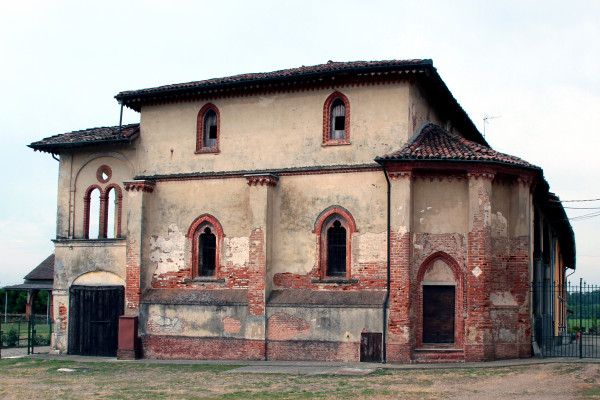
82	173
195	321
276	126
299	200
440	205
421	110
322	323
74	258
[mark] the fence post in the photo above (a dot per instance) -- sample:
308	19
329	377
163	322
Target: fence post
580	317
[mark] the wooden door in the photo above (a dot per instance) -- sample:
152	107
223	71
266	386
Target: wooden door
94	313
370	347
438	314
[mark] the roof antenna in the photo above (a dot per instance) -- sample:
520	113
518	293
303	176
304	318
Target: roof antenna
485	120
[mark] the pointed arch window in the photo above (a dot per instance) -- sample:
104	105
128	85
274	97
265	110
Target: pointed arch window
206	234
208	130
334	228
336	120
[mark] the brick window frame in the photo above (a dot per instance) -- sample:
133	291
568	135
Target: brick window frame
326	220
118	210
460	300
103	212
196	229
200	131
327	121
104	169
87	199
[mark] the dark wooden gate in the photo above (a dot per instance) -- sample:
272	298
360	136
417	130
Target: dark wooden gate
370	347
438	314
94	313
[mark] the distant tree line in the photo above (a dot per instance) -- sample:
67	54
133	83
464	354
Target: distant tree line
17	299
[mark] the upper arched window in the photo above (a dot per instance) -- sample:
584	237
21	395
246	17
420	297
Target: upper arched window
208	128
336	119
92	212
335	227
206	234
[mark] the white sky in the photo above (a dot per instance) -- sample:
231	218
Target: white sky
534	63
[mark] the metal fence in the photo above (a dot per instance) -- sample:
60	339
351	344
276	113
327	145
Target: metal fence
566	319
20	332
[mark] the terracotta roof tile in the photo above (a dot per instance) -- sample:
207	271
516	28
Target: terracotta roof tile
84	137
434	143
331	66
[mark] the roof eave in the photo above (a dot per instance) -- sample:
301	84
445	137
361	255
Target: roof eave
55	148
382	160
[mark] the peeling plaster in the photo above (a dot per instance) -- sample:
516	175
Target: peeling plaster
159	323
503	299
168	252
237	251
372	247
265	101
499	225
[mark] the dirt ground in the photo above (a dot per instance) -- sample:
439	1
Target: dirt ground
43	379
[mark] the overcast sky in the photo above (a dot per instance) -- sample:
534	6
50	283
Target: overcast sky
533	64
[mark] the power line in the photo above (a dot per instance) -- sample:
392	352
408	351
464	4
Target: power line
572	201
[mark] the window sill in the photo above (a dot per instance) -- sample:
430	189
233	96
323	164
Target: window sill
335	281
336	143
206	279
207	150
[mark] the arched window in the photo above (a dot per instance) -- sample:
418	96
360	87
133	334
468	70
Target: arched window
336	120
336	249
334	228
207	252
102	212
206	236
208	128
92	212
112	212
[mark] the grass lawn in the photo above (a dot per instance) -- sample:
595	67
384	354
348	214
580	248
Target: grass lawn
42	331
41	379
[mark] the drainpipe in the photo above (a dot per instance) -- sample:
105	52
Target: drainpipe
387	294
121	120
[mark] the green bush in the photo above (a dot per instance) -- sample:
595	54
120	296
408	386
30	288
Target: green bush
575	328
11	338
40	340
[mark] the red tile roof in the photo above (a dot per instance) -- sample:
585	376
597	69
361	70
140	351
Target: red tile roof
330	67
107	134
434	143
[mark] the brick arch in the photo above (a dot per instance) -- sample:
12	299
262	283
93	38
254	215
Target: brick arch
200	148
327	119
440	255
193	235
460	299
328	212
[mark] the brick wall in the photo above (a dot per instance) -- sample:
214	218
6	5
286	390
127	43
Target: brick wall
202	348
299	350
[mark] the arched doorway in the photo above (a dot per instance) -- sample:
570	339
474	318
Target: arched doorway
94	311
440	302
